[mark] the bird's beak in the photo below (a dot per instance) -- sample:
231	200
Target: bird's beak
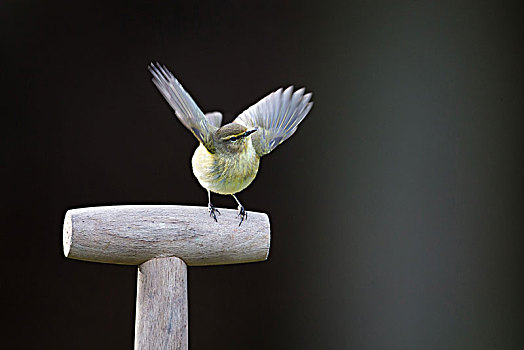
249	132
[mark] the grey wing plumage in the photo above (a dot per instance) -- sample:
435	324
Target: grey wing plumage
184	106
214	118
276	117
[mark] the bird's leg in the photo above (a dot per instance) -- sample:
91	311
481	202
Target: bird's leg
211	207
241	211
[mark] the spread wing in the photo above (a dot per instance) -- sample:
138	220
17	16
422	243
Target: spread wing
185	108
276	117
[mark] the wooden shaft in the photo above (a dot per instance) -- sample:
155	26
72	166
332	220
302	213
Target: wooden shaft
161	305
133	234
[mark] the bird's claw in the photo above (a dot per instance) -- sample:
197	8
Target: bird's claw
212	211
242	213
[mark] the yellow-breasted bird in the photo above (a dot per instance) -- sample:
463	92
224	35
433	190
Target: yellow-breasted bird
227	159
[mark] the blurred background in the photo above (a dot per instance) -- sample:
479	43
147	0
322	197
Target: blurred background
396	208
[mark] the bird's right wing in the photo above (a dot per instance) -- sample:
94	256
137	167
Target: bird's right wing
214	118
185	108
276	118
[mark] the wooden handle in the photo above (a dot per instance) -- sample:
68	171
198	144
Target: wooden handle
134	234
161	305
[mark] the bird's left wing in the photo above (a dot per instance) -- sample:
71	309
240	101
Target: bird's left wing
185	108
276	118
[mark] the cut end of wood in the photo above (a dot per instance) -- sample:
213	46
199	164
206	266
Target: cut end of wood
67	233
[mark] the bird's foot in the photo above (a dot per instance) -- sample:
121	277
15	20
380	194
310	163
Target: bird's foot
242	213
213	211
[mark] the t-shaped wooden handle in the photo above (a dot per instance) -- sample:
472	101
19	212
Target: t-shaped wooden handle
162	239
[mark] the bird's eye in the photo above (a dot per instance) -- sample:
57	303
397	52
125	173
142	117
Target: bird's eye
233	138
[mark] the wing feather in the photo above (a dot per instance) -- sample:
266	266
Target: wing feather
276	116
184	106
214	118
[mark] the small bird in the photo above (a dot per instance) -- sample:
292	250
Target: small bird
227	158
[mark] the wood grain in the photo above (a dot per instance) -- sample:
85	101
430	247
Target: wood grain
161	305
134	234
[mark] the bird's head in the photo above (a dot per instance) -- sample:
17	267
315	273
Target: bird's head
232	138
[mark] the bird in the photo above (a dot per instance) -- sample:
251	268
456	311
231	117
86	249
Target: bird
227	158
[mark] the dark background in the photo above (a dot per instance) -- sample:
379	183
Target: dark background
396	208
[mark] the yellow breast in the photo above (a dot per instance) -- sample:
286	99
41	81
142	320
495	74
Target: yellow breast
225	173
